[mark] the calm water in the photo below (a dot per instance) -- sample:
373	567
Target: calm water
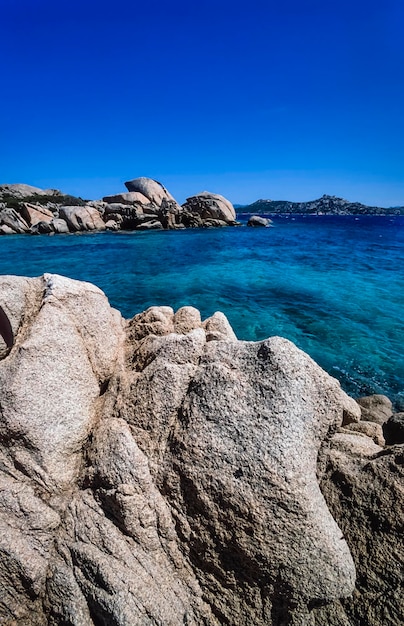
333	285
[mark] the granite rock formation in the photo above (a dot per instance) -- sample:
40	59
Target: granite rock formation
376	408
81	218
34	214
257	220
146	206
211	207
13	220
159	471
132	197
154	191
22	191
363	484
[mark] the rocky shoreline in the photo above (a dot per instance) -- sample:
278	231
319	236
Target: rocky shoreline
147	205
159	471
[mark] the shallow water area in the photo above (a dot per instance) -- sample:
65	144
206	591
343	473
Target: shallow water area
332	285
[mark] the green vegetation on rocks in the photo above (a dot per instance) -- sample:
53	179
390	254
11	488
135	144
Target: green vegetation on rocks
326	205
42	200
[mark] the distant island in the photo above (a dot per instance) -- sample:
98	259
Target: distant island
326	205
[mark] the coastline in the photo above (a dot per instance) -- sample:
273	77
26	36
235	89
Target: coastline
330	285
156	455
148	205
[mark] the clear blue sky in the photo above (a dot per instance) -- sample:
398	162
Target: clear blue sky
257	99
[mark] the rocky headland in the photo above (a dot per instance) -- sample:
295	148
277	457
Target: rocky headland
147	205
326	205
158	471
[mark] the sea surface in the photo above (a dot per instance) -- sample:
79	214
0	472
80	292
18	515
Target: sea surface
332	285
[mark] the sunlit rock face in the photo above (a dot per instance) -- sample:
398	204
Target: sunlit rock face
159	471
147	205
210	206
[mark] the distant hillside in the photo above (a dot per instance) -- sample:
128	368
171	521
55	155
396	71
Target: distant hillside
326	205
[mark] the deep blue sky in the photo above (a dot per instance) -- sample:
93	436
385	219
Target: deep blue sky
248	99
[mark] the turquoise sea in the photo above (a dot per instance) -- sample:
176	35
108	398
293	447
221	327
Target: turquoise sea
333	285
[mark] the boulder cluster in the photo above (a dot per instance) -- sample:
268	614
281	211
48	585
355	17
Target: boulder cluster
147	205
158	471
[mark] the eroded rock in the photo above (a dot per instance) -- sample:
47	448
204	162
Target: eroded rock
34	214
259	221
159	471
154	191
208	205
82	218
21	191
131	197
376	408
59	225
13	220
363	485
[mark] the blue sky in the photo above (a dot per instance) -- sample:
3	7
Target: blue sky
248	99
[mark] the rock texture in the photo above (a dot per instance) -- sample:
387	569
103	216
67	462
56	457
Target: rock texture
34	214
257	220
364	487
81	218
159	471
127	198
376	408
59	225
208	206
21	191
13	220
154	191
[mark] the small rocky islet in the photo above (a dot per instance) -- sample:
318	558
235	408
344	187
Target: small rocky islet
158	471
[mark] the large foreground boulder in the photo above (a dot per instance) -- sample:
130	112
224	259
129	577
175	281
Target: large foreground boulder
159	471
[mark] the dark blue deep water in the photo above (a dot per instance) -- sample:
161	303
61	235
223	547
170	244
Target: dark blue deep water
333	285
